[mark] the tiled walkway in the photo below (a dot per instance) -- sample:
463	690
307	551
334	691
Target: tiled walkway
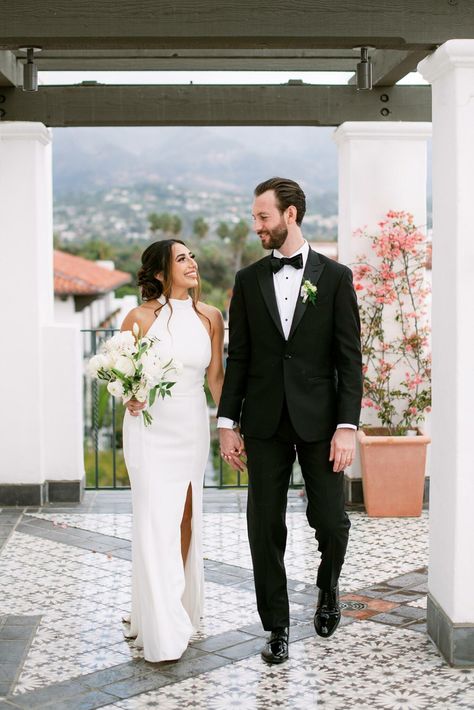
65	585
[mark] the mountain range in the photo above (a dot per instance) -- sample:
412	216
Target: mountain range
224	159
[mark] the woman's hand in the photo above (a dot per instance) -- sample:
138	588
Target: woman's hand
135	407
232	448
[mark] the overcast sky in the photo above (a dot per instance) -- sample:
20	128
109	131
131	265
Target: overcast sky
208	77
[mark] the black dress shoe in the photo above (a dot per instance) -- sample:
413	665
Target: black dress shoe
276	648
328	613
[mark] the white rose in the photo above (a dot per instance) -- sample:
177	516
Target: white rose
108	361
115	388
125	365
152	367
96	363
111	358
141	395
136	330
127	342
122	343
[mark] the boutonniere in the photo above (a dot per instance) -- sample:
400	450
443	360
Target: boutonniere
308	292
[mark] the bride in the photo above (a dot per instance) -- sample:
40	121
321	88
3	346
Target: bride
166	460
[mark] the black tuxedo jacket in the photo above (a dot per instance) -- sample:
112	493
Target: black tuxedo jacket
318	369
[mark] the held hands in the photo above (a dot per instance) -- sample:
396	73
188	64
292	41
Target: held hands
232	448
135	407
342	448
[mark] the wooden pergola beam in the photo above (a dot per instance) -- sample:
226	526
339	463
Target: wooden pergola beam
230	105
87	24
11	70
198	60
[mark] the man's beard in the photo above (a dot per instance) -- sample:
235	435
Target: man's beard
276	237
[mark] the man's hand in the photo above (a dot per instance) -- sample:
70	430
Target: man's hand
342	449
232	448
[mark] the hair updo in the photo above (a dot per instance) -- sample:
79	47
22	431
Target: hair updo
156	259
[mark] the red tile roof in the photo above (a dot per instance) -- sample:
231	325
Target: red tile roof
76	276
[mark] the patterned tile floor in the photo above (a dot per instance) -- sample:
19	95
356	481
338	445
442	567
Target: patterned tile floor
64	586
225	539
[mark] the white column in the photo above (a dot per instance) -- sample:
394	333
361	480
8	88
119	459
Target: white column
28	362
382	167
450	70
26	295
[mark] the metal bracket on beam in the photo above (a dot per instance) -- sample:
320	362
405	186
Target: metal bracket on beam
389	66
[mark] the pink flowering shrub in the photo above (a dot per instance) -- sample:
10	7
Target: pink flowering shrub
395	329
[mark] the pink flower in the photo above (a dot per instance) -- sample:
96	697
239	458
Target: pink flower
395	293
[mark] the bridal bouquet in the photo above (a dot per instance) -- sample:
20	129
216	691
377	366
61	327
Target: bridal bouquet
133	369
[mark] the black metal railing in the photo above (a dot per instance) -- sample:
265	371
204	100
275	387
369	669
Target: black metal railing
103	449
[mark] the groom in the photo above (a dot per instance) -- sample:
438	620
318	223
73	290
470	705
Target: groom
293	384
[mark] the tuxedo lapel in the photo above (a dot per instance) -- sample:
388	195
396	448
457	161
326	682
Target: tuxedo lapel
265	280
312	272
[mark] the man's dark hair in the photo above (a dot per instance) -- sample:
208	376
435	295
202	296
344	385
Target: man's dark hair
287	192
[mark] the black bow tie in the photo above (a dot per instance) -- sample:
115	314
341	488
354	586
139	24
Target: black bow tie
295	261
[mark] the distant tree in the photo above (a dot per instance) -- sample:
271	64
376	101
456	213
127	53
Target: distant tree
155	222
200	227
170	225
236	237
238	240
223	230
252	252
93	249
214	266
176	225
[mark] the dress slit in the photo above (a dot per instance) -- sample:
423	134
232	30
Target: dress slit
188	491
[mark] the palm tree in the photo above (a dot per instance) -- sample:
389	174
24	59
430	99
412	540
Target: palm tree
169	224
236	236
200	227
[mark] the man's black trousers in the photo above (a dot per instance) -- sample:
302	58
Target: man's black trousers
270	463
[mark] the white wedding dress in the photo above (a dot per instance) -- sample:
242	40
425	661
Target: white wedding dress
163	460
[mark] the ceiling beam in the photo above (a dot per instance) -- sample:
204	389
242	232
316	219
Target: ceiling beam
198	60
391	65
11	70
87	24
195	105
390	68
196	64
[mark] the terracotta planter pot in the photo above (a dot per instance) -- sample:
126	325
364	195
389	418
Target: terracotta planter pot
393	472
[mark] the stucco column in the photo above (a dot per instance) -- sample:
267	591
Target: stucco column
450	70
382	167
34	398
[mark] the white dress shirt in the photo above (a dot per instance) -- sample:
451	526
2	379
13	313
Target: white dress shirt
287	283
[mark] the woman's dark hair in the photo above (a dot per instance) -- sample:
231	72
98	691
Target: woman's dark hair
287	192
157	259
